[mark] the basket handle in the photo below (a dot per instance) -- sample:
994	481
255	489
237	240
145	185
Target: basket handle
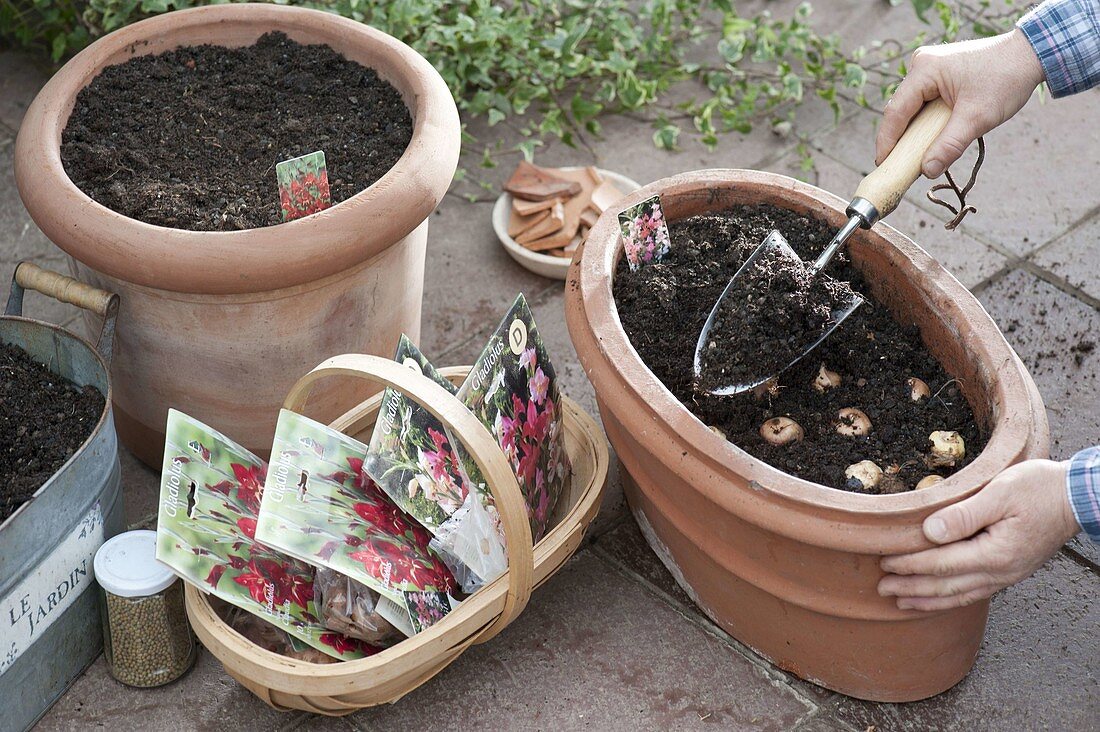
479	443
29	276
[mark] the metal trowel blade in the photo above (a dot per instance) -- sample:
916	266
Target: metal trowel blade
777	243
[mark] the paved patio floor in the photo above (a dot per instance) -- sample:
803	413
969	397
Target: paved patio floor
612	642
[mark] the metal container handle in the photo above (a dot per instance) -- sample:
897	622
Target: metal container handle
65	289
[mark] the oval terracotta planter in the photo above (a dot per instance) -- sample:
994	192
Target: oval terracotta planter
787	566
219	324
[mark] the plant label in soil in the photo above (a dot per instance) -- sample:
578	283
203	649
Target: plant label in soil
412	458
645	233
514	392
214	546
321	507
303	185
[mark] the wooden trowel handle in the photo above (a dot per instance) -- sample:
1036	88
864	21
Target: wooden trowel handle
887	183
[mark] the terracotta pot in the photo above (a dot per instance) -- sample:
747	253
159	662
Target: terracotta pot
219	324
787	566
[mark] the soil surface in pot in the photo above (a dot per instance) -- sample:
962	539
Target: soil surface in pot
44	419
776	301
189	139
664	306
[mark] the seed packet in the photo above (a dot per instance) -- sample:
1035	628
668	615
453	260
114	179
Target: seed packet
645	233
211	491
321	507
413	459
513	390
303	185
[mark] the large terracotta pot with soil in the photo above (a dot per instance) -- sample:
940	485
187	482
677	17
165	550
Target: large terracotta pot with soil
788	565
219	323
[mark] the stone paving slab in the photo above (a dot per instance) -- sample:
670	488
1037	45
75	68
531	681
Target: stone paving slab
1044	325
594	650
205	699
1073	258
24	74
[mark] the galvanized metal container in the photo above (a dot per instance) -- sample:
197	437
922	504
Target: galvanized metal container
49	616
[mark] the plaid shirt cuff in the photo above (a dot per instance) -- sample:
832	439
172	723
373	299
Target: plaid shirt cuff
1083	485
1066	37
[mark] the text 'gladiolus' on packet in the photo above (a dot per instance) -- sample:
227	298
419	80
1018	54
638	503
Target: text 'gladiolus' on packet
412	457
321	507
210	497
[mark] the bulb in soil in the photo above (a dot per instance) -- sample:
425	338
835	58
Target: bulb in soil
918	390
717	430
852	422
928	481
863	476
781	431
826	379
769	388
948	449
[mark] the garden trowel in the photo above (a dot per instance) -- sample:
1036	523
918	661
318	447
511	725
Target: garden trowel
877	195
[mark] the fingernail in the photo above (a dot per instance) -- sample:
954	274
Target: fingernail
933	168
904	605
885	591
935	529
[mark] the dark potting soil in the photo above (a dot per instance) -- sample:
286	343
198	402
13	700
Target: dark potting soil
663	307
189	139
44	419
777	301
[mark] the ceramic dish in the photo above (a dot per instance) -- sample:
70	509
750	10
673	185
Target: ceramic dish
544	264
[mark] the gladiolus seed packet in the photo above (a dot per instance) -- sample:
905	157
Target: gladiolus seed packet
210	496
320	506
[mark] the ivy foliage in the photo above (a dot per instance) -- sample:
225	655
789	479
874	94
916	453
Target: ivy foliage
552	68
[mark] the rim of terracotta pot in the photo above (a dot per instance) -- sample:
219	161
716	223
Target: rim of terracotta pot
249	260
591	285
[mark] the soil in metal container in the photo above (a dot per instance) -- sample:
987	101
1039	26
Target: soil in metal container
44	419
663	308
189	139
774	301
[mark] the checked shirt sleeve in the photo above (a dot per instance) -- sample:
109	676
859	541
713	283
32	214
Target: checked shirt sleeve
1083	485
1066	36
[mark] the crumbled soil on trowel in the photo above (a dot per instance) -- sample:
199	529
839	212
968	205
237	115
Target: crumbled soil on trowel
44	419
189	139
664	306
774	300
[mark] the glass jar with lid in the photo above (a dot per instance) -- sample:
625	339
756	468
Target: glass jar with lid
147	640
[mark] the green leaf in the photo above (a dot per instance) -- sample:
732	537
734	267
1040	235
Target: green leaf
920	7
666	137
855	76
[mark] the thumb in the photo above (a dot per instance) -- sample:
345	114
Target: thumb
965	518
962	129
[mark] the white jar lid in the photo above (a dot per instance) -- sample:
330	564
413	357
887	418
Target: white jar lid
127	566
